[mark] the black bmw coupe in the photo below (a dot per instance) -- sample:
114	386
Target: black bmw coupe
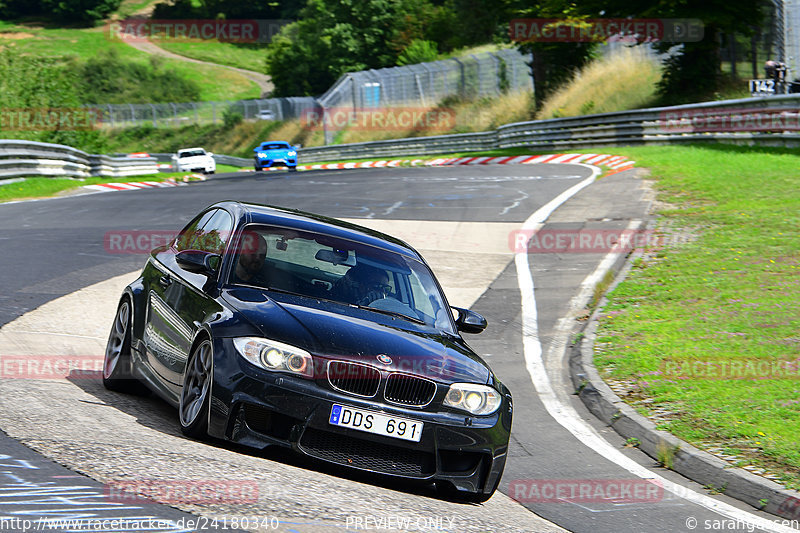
269	326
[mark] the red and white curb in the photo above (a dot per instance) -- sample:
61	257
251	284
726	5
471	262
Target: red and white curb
108	187
615	163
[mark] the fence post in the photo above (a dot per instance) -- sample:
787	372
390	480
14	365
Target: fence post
463	81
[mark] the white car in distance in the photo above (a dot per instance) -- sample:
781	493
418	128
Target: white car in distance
194	160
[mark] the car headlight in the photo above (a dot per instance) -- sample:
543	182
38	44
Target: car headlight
262	154
291	153
275	356
475	399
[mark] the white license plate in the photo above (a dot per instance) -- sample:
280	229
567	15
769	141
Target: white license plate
371	422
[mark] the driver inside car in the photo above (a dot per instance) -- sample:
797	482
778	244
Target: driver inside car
362	285
252	267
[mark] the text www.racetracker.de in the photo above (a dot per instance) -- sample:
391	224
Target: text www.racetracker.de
181	525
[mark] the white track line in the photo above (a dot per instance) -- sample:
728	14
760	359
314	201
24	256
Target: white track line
564	413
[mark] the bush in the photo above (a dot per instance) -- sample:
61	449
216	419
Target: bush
71	11
107	78
231	117
418	51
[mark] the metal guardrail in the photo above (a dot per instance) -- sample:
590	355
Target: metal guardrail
181	114
773	120
113	167
222	159
30	158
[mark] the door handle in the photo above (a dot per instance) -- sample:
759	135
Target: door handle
165	281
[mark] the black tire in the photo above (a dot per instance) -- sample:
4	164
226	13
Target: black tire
258	169
117	361
292	169
196	391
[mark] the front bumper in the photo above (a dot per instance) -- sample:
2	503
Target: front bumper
278	162
258	408
196	168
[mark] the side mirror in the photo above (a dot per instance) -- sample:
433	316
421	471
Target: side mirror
198	262
469	321
209	154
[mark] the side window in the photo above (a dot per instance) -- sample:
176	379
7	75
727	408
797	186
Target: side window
209	232
187	238
216	232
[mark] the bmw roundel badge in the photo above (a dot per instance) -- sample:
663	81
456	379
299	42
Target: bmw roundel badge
385	359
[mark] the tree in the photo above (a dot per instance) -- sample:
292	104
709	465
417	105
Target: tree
331	38
692	71
553	62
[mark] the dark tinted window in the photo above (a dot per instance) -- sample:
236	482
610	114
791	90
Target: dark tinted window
349	272
209	232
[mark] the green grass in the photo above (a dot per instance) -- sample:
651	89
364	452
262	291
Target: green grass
246	56
729	294
237	141
38	187
128	7
216	83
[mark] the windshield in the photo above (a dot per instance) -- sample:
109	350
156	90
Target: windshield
322	266
274	146
191	153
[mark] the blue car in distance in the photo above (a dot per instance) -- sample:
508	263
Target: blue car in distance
275	154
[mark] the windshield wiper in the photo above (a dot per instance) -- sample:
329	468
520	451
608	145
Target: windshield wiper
391	313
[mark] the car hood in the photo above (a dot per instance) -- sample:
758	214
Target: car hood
335	331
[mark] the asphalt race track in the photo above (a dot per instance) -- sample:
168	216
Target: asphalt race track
461	219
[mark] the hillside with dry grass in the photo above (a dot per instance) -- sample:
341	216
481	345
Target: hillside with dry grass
625	79
620	81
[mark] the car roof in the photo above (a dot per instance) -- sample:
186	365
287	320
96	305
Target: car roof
246	212
275	142
190	149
